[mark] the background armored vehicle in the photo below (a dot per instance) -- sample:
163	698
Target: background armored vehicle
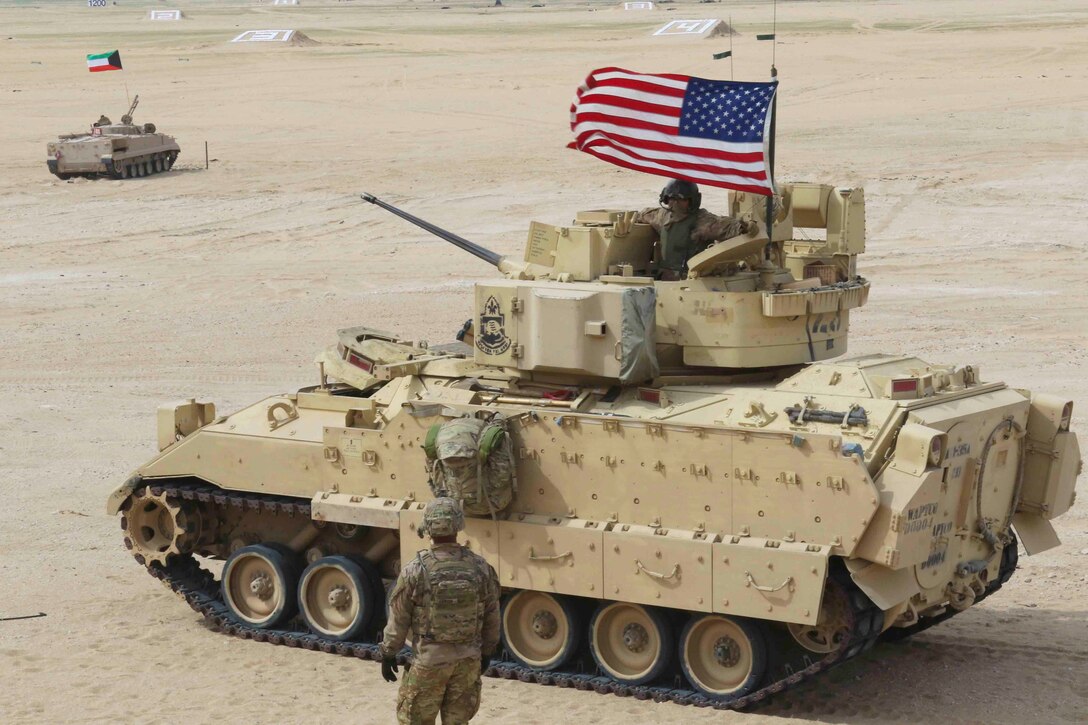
684	494
117	150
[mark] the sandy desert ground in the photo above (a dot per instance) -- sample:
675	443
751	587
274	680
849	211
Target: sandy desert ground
966	122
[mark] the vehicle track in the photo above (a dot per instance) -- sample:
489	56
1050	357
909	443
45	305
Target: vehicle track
199	588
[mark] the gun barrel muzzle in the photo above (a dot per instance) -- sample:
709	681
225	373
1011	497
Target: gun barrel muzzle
492	258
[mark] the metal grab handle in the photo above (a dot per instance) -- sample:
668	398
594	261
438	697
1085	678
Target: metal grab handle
290	413
556	557
783	585
674	574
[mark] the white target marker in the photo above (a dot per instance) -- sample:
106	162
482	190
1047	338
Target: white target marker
264	36
687	27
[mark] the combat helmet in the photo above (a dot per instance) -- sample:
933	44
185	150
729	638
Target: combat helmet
442	517
684	189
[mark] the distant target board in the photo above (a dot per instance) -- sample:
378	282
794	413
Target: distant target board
285	2
96	3
164	15
264	36
638	6
687	27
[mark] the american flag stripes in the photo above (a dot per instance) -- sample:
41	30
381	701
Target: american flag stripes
706	131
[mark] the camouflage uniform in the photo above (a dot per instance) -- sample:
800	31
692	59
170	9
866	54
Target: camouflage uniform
682	237
445	676
452	689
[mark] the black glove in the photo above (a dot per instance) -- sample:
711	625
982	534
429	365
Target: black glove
389	668
485	662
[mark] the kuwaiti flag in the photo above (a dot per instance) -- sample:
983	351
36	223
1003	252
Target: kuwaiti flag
104	61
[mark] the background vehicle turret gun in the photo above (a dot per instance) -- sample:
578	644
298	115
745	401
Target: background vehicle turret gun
127	118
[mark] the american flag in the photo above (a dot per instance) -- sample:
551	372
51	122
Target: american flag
709	132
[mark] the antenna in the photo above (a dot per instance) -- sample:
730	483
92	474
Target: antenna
774	33
730	47
728	53
771	36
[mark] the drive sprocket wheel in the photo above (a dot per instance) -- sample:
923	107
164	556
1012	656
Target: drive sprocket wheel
833	625
157	529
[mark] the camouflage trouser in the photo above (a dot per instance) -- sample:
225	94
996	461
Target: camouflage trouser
452	689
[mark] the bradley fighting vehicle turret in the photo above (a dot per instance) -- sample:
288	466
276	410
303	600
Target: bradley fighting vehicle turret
117	150
700	501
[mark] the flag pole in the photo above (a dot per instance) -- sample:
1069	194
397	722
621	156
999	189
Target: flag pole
774	112
770	164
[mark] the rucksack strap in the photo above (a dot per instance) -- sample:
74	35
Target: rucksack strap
489	440
430	443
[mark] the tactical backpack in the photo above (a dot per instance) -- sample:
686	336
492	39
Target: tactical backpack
453	606
472	460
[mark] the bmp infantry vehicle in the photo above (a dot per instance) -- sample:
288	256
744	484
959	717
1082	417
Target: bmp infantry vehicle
117	150
685	495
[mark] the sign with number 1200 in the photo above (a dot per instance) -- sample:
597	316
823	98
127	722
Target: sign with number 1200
96	3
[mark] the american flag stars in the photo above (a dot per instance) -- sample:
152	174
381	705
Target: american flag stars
747	105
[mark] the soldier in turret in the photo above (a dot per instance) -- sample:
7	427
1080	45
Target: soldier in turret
449	597
684	228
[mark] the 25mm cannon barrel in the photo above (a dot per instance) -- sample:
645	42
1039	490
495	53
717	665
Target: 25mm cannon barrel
492	258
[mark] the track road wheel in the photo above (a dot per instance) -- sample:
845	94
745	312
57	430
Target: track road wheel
259	584
351	532
337	597
832	627
157	529
723	657
633	644
541	630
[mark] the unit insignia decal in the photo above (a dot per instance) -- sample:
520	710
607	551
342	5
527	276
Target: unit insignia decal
492	338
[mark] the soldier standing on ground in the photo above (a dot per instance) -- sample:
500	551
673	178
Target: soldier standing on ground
684	228
449	597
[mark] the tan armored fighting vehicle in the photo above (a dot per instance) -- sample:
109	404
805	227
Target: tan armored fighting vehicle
117	150
677	482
